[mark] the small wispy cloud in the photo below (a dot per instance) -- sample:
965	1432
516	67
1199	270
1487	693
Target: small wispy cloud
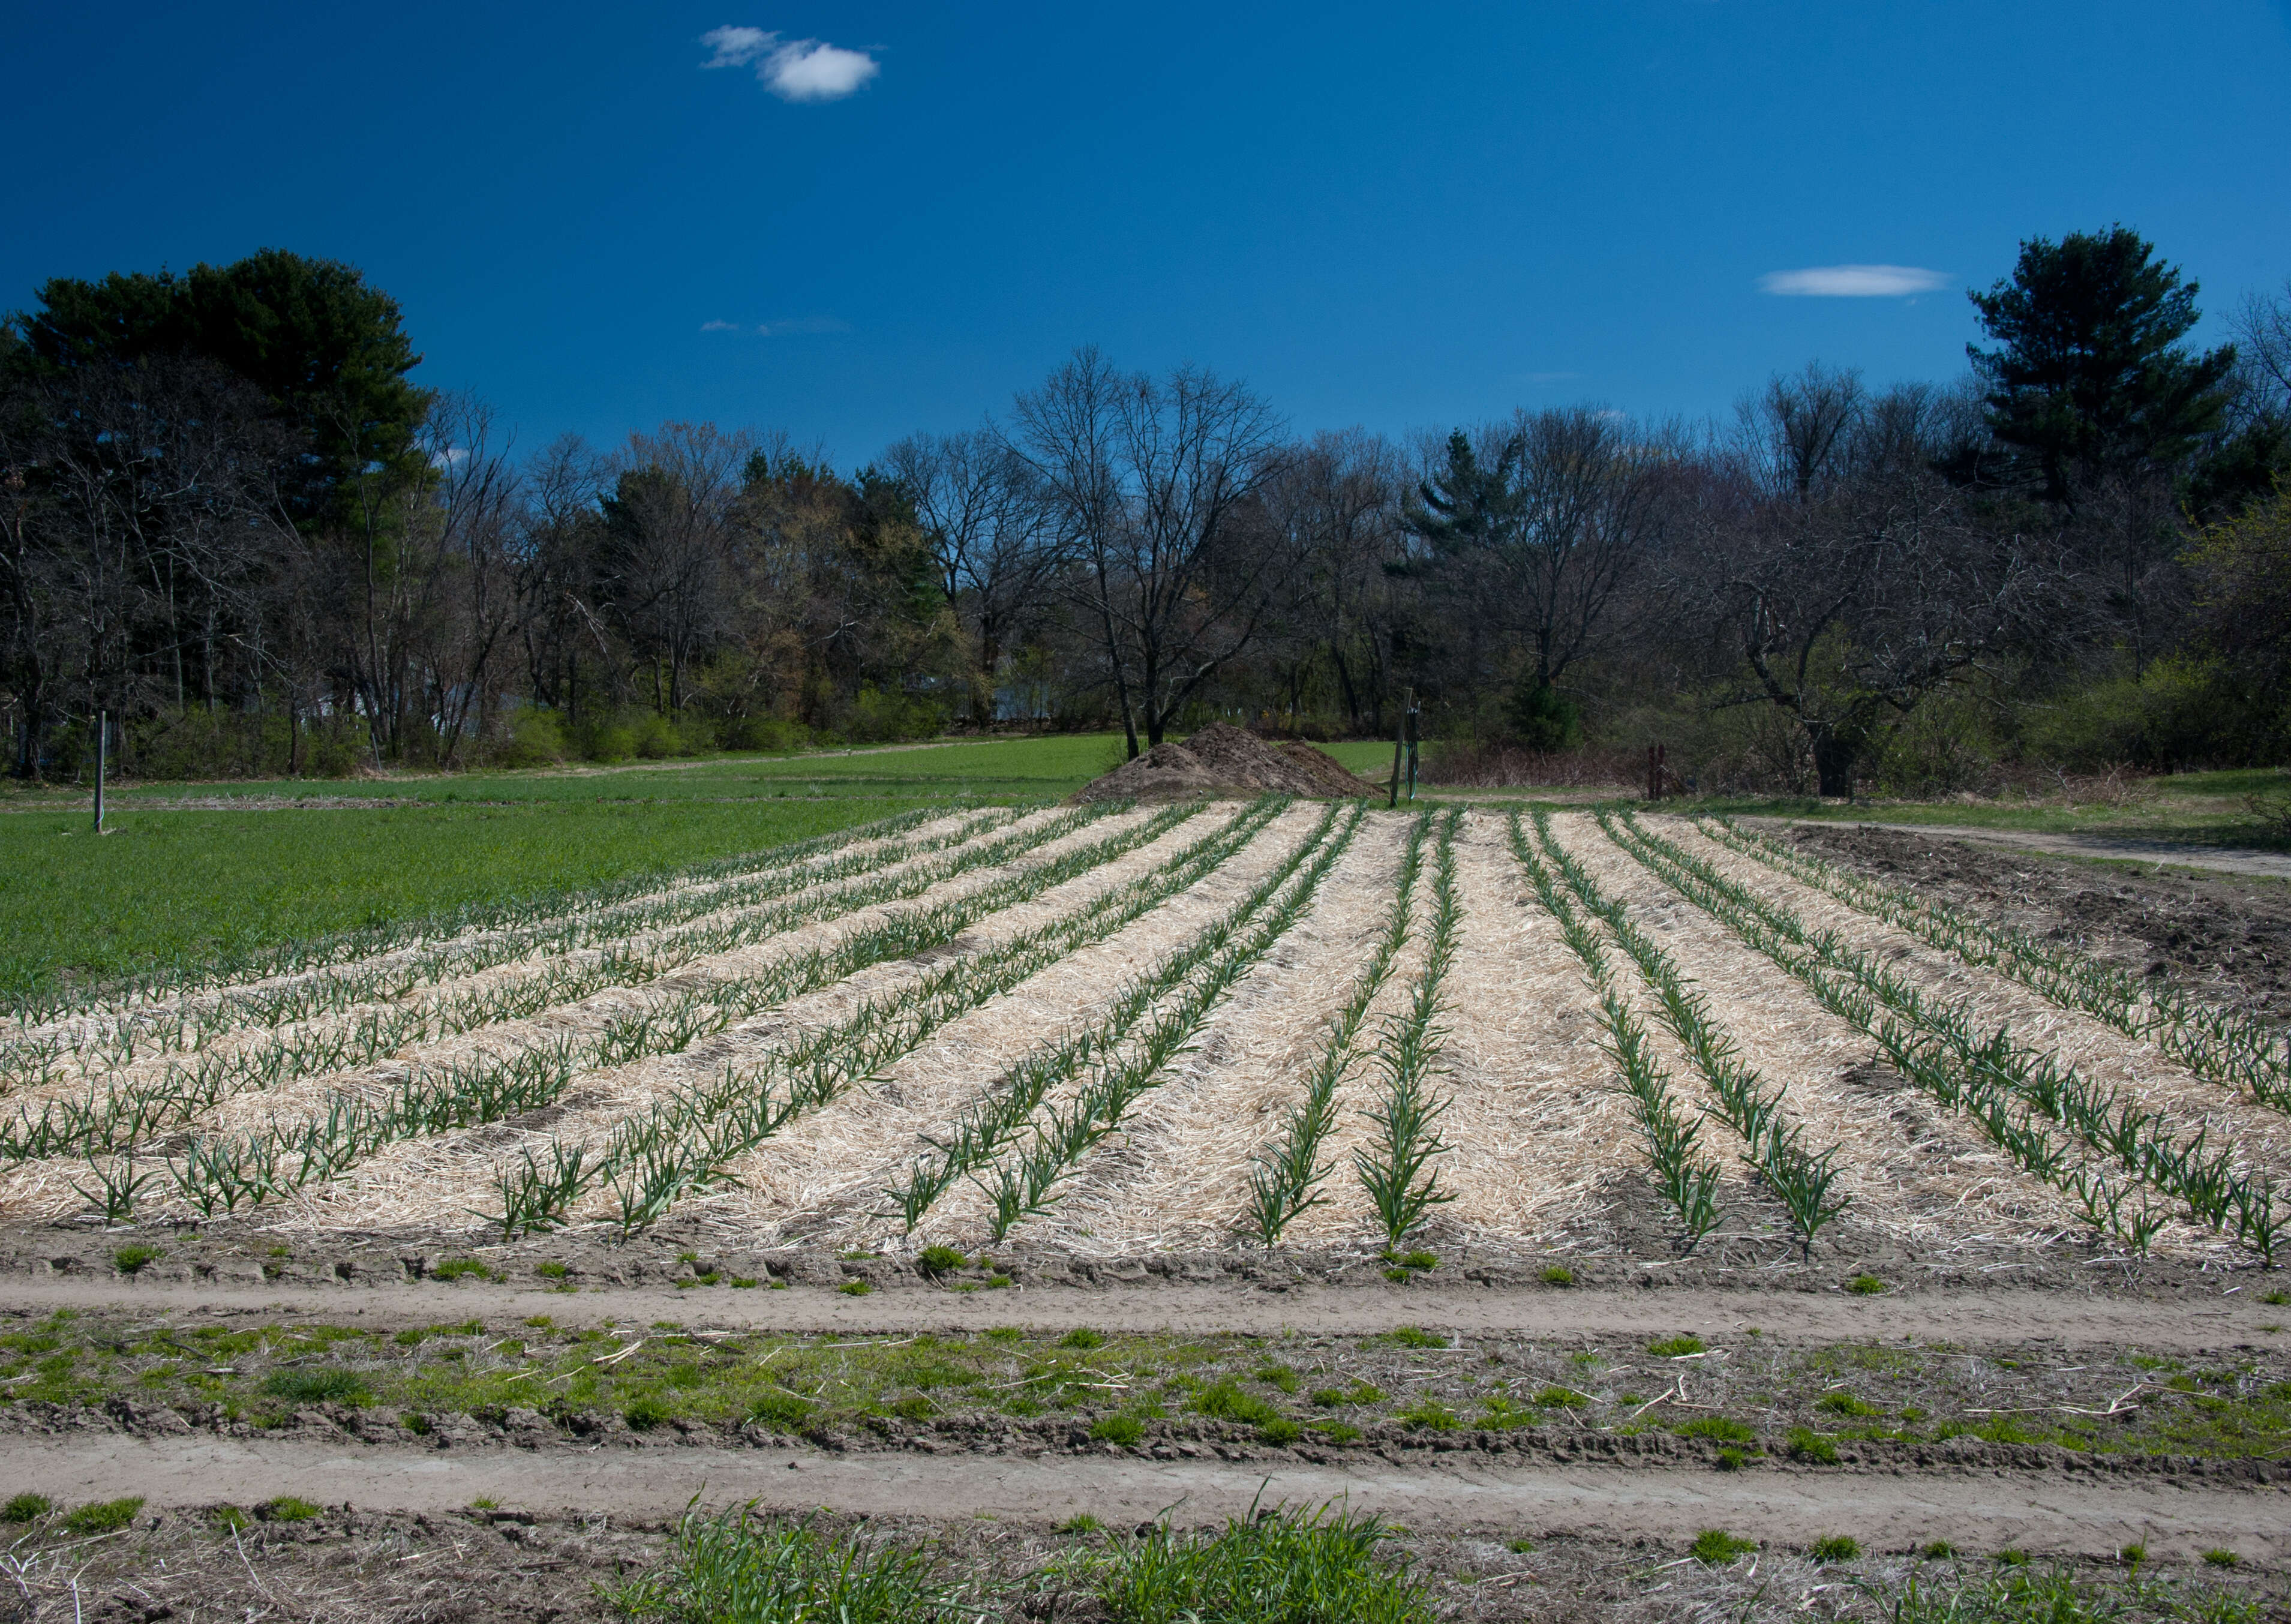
795	69
792	326
1854	281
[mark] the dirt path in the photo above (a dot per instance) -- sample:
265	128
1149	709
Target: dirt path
2034	1511
2120	848
2189	1322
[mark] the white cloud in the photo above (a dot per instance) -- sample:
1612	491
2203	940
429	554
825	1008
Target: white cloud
795	70
719	327
801	326
1854	281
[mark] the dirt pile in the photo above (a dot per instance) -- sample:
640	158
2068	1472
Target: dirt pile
1224	760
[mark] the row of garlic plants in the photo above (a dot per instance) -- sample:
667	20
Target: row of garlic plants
1025	1178
167	984
2209	1041
220	1171
120	1111
1803	1181
1685	1175
1285	1180
118	1040
2017	1097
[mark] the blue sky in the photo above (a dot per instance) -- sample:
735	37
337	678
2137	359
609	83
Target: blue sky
1401	217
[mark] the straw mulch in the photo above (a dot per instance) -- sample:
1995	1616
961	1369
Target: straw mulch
1224	760
1911	1171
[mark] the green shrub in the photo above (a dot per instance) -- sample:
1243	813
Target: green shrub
1558	1275
1329	1398
1122	1429
1716	1547
535	738
1280	1429
316	1387
1837	1547
1865	1285
103	1517
26	1508
1732	1459
1675	1348
936	1260
133	1260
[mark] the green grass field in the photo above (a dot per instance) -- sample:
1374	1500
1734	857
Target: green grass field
175	883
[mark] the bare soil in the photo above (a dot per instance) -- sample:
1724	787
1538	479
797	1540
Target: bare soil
2224	939
1224	760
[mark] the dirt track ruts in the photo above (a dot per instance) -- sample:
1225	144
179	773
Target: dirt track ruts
1786	1317
2041	1513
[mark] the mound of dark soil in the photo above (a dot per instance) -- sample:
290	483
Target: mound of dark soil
1224	760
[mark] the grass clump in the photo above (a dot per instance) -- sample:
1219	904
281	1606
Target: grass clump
2220	1556
454	1268
1410	1336
936	1260
1714	1547
1287	1565
550	1268
1846	1403
26	1508
1718	1430
645	1411
855	1288
1675	1348
1429	1415
133	1260
1122	1429
1082	1336
1556	1397
1558	1275
1810	1446
318	1387
287	1508
1837	1547
780	1409
735	1565
1226	1402
103	1517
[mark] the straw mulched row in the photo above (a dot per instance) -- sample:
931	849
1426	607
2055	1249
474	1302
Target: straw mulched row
822	1178
1535	1127
961	1216
1913	1172
2142	1072
508	974
459	1160
426	1181
1176	1178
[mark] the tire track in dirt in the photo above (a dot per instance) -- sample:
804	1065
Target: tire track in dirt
2040	1513
2186	1323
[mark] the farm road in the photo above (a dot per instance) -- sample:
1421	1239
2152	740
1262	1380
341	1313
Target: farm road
2040	1513
2121	848
2175	1323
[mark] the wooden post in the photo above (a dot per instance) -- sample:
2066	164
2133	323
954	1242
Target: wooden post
1399	744
102	732
1415	731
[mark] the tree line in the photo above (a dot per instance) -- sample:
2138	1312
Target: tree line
230	521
